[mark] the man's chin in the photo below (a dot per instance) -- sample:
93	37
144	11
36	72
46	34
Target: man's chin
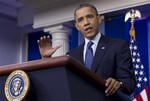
90	37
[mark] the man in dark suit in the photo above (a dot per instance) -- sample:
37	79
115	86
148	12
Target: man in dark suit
110	58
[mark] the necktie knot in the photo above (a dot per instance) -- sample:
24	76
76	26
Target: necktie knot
90	43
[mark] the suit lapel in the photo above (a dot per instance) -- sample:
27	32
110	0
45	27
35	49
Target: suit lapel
100	51
80	57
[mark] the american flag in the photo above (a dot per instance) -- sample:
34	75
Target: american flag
141	90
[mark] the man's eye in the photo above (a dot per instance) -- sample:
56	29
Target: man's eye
79	20
90	16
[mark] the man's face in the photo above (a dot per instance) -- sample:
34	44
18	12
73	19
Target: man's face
87	22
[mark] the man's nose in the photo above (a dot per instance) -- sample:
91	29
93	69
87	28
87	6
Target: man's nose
86	22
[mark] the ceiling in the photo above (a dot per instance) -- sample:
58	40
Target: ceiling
11	3
8	9
144	9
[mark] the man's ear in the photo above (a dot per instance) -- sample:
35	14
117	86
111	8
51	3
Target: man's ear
99	18
77	26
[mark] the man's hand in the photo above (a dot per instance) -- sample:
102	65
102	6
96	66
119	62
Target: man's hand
45	47
112	86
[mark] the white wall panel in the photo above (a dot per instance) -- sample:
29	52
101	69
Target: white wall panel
9	42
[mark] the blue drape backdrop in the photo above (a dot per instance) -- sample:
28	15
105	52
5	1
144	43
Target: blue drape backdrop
33	51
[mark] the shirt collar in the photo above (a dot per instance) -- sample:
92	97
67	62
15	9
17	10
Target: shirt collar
94	40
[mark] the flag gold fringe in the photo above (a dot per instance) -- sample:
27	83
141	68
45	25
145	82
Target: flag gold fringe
132	32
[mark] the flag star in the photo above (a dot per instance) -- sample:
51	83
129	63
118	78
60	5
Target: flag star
138	85
135	47
140	79
136	66
145	79
142	67
138	54
137	60
134	53
132	41
133	59
141	72
136	72
131	47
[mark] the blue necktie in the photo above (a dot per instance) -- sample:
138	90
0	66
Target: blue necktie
89	55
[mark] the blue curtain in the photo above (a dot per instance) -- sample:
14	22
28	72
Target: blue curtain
73	38
33	51
115	27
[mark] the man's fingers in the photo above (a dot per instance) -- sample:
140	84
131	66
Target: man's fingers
108	81
45	46
44	41
57	47
39	43
48	41
112	86
48	37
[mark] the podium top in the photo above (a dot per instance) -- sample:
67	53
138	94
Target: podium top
55	62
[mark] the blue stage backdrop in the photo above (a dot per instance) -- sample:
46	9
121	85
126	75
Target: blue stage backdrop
115	27
33	51
73	39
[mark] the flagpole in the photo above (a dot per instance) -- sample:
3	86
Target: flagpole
132	14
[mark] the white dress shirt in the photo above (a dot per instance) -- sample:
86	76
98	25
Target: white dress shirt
94	46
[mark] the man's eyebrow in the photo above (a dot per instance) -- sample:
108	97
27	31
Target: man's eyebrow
89	15
80	18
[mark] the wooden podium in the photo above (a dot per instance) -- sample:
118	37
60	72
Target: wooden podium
56	79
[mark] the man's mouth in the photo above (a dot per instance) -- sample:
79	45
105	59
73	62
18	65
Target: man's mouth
89	29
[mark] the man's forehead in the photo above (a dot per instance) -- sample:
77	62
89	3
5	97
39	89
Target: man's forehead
84	11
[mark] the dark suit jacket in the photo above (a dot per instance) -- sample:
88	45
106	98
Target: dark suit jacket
112	59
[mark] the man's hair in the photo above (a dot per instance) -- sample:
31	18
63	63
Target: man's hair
85	5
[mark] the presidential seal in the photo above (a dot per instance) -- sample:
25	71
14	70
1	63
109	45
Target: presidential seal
17	86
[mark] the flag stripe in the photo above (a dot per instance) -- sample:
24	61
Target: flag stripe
134	99
139	98
144	95
146	88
